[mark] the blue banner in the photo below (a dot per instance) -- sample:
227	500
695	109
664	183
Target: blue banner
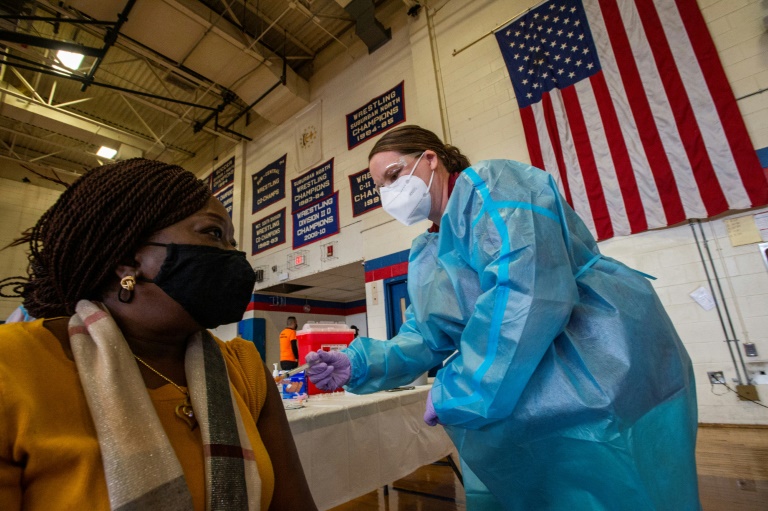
223	176
376	116
268	232
317	221
364	195
269	184
315	184
225	196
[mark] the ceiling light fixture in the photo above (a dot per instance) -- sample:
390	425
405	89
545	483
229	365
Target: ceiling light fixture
106	152
68	59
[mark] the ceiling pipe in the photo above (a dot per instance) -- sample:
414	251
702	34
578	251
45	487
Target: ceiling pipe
280	82
130	46
56	20
109	40
229	97
264	95
210	56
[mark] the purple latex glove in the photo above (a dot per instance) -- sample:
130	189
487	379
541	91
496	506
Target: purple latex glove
430	417
328	370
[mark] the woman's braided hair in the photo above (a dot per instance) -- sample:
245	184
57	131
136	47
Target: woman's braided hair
99	222
415	139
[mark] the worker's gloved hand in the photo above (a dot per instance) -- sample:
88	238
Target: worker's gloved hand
328	370
430	417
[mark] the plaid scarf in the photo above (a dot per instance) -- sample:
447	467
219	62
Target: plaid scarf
141	469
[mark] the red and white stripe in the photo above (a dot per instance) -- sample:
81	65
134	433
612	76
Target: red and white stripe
655	137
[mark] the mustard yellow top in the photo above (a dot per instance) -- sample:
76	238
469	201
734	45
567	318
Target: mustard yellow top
49	454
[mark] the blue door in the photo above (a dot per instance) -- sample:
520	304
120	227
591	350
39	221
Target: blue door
254	330
396	295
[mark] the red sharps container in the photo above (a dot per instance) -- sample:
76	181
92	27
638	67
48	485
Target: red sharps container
322	335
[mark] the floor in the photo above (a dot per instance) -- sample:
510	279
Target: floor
732	464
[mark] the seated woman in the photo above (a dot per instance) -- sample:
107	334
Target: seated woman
118	397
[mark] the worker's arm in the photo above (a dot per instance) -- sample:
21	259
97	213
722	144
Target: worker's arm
379	365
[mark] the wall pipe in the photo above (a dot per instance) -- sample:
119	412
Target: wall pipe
725	305
729	337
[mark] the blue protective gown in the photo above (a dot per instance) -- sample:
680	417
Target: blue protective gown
569	388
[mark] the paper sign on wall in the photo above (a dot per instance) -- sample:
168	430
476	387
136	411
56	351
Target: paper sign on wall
742	230
703	297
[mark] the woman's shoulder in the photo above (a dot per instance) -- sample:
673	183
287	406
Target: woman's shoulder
239	348
242	354
29	349
15	336
246	370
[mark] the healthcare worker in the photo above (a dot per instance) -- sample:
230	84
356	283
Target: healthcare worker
568	388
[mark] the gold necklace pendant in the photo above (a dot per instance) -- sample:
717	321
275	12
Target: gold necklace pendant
185	412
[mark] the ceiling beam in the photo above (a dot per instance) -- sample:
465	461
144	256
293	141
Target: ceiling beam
140	141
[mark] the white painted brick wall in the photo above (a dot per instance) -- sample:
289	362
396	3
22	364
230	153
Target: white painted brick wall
21	205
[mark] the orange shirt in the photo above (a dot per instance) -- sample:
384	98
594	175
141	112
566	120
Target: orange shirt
286	351
49	453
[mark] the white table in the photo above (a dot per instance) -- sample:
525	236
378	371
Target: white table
350	445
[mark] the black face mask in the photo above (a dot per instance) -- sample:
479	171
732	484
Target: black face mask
212	284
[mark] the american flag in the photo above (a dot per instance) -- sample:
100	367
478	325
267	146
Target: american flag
626	103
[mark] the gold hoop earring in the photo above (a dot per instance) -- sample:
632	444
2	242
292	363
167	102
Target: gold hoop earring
126	284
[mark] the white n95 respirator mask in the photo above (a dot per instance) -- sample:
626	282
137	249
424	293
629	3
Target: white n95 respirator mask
407	200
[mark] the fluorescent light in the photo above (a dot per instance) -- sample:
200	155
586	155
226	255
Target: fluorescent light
69	59
106	152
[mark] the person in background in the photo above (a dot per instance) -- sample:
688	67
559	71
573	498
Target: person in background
289	347
568	387
118	396
357	331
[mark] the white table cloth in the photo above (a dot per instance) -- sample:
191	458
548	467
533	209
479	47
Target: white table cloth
350	445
